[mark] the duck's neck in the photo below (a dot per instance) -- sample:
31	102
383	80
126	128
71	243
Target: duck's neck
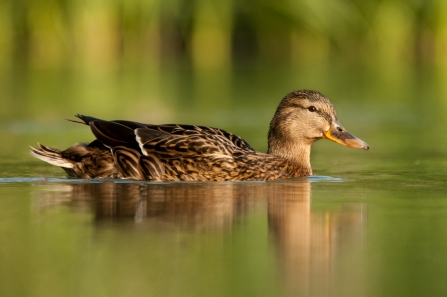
295	151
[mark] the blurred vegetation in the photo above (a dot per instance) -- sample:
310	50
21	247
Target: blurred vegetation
210	33
177	60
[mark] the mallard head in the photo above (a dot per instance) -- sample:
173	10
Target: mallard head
302	118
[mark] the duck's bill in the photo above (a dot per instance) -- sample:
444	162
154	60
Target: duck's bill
338	134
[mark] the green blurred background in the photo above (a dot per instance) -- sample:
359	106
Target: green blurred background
151	34
220	63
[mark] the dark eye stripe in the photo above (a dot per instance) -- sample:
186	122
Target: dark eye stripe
319	112
311	108
297	106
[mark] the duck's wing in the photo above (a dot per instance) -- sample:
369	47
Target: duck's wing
164	156
184	145
142	151
116	133
121	131
176	129
195	156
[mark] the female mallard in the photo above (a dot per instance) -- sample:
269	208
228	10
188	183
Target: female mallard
124	149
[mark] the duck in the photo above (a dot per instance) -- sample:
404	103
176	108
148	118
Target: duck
172	152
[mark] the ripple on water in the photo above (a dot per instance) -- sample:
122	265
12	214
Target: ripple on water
10	180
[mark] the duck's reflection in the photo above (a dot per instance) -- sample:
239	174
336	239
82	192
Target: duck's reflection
192	206
310	243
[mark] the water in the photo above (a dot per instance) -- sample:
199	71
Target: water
319	236
370	223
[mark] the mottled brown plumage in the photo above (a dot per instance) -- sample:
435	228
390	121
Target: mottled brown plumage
125	149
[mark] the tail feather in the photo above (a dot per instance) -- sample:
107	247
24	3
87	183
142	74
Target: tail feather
50	155
85	119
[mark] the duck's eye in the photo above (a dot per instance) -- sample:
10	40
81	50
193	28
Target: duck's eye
312	108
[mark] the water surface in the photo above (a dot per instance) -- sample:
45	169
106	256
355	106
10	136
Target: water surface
359	235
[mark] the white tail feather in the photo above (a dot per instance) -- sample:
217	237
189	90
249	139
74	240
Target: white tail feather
50	155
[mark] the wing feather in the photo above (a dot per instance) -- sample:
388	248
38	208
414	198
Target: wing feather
127	162
189	145
201	130
168	152
151	167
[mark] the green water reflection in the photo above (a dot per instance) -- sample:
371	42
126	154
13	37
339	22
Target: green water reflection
370	236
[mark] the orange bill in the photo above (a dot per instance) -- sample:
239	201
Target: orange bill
338	134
